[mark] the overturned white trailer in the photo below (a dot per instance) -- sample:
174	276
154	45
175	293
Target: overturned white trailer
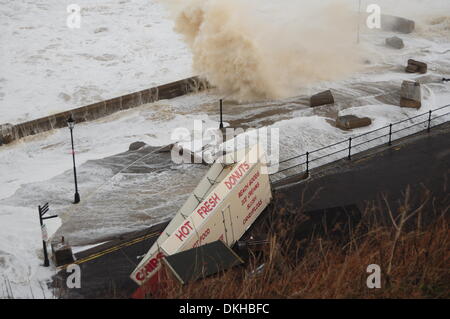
223	206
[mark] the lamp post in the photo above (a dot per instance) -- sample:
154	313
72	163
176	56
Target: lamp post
71	124
221	118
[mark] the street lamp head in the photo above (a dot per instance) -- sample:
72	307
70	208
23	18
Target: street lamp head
71	122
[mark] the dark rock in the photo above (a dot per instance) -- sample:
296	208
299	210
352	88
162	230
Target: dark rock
322	98
397	24
136	146
416	66
395	42
348	122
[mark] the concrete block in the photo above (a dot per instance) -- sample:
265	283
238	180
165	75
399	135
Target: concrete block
397	24
322	98
395	42
348	122
412	69
411	91
62	253
416	66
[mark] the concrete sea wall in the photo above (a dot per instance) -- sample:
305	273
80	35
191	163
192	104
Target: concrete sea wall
10	133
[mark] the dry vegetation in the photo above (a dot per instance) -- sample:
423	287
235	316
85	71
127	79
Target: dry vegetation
412	251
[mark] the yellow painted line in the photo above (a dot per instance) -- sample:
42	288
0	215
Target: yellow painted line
110	250
362	159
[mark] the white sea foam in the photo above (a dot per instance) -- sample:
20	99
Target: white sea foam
65	68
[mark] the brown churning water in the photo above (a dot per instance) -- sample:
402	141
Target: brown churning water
261	49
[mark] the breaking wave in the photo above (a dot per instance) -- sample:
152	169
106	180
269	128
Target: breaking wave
264	49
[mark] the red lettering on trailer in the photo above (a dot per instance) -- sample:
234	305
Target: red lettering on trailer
154	263
149	267
202	238
243	190
237	175
254	178
151	285
184	230
250	193
253	200
249	184
180	236
208	205
252	212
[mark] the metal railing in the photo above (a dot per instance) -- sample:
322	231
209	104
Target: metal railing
303	163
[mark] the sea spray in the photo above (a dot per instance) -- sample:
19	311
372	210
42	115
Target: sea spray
261	49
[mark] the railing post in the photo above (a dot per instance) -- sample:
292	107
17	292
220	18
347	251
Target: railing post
390	134
307	163
429	122
350	148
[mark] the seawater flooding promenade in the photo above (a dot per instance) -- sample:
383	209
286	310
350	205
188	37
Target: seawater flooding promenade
76	140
